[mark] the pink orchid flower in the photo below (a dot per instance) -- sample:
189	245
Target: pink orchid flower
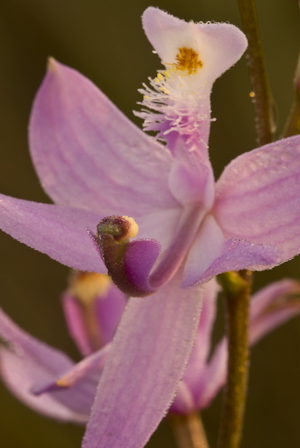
49	382
93	162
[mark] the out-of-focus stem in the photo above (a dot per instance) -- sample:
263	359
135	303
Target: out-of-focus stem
262	98
292	126
188	430
236	290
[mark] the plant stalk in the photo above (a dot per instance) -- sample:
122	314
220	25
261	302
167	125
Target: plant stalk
237	305
292	126
188	430
261	93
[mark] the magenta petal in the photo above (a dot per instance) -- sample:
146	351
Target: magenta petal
29	361
258	197
147	359
89	155
60	232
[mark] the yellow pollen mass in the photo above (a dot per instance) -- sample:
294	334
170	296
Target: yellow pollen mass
87	286
134	228
188	60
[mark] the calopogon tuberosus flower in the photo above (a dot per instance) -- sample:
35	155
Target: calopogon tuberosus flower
97	166
48	381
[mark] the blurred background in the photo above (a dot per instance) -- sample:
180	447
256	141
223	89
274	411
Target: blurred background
104	40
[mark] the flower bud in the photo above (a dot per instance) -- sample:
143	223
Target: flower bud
93	306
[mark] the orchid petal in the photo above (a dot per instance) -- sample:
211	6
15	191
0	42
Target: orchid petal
258	198
109	310
160	226
30	361
89	369
76	324
17	376
270	307
89	155
60	232
139	380
213	376
201	348
220	45
106	311
185	401
212	254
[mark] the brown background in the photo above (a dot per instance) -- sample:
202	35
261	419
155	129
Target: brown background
104	40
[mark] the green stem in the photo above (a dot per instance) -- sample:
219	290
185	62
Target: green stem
262	98
236	290
188	430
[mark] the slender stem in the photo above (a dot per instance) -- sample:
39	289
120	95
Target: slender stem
188	430
237	304
262	98
292	126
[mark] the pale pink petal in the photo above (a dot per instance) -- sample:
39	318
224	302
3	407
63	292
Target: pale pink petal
185	400
191	179
28	361
160	226
276	292
271	307
219	45
146	362
60	232
89	370
89	155
212	254
76	324
258	198
17	375
213	377
107	311
202	346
